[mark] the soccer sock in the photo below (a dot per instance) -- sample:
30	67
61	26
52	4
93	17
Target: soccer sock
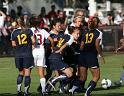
19	81
78	84
82	84
56	79
27	83
63	83
122	75
43	84
90	88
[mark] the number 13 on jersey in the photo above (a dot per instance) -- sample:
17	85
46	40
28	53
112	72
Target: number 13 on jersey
89	38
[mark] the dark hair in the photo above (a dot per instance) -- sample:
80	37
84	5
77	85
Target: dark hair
20	23
34	22
72	28
98	20
53	23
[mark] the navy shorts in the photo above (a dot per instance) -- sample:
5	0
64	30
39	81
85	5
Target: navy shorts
88	60
26	62
56	62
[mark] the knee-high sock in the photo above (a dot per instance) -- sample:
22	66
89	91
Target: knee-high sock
43	84
78	84
54	80
19	82
27	83
90	87
122	75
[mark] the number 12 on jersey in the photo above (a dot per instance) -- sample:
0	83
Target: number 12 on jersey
22	39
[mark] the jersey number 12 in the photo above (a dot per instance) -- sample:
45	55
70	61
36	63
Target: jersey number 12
22	39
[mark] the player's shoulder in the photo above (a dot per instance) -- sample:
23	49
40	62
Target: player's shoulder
15	31
99	31
67	36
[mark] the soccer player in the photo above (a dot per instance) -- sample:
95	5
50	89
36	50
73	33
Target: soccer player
56	58
22	40
90	48
39	51
119	82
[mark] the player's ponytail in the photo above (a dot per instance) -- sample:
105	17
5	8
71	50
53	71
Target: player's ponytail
21	24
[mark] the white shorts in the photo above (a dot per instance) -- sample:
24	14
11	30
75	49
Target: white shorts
39	56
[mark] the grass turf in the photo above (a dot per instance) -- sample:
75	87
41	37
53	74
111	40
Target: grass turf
111	70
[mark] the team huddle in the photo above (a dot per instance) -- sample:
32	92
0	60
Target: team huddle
69	54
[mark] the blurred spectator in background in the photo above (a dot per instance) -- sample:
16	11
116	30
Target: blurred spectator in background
7	30
52	14
2	20
118	18
45	23
19	11
108	20
26	18
13	14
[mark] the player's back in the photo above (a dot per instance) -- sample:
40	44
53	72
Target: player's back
89	38
40	36
23	42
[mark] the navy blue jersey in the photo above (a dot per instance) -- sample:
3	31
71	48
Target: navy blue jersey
89	37
23	42
61	41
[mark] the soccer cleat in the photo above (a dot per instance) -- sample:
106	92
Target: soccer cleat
61	90
72	91
87	93
49	86
118	83
19	93
25	94
39	89
44	94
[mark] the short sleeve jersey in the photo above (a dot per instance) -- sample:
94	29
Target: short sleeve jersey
40	36
89	38
61	41
23	43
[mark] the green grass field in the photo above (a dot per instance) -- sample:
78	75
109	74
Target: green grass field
111	70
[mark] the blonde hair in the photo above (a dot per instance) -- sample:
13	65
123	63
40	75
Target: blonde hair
76	13
76	17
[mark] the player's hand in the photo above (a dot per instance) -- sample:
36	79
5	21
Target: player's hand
101	59
117	50
58	51
33	47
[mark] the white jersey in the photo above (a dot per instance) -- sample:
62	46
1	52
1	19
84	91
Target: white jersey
39	51
66	30
40	35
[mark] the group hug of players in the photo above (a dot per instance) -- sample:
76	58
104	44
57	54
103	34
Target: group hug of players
69	54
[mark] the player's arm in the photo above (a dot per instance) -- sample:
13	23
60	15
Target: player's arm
13	43
13	40
82	45
99	50
70	41
33	41
52	41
